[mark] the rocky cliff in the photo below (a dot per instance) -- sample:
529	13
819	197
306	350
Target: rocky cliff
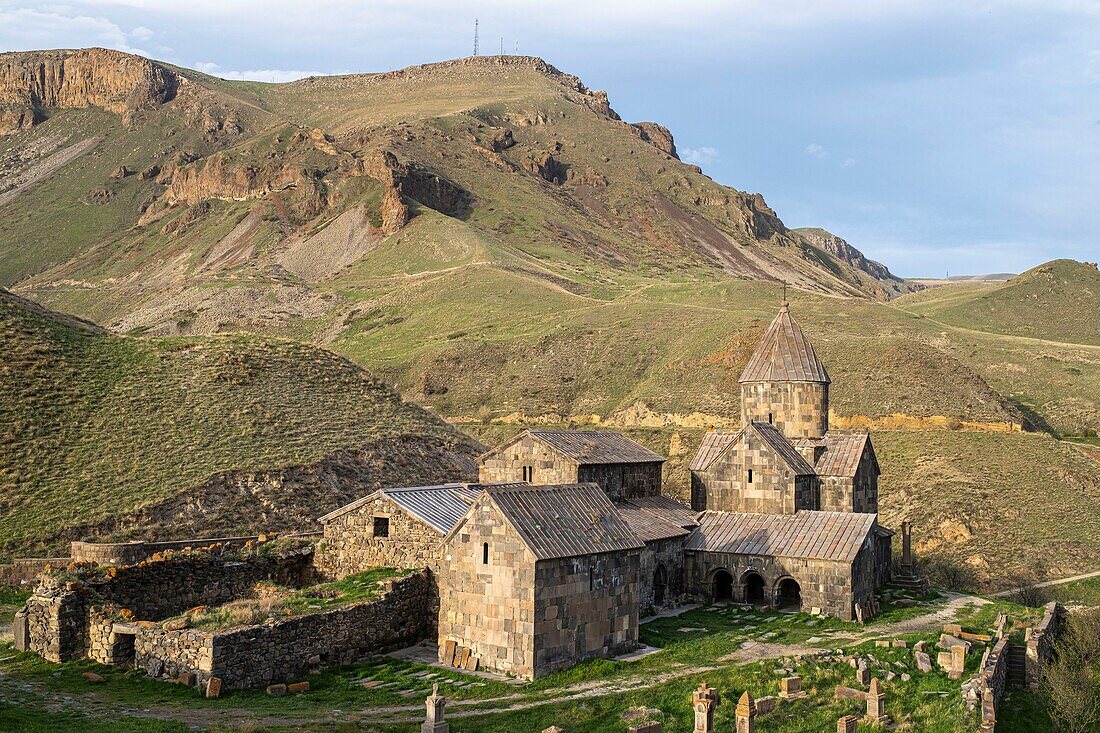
31	82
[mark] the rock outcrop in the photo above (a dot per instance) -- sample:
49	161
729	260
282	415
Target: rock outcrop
658	136
31	82
840	249
219	177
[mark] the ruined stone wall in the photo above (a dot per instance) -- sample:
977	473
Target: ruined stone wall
350	546
824	584
797	409
726	487
259	655
488	608
52	624
132	553
993	678
506	464
669	554
157	590
25	570
1040	641
624	480
585	607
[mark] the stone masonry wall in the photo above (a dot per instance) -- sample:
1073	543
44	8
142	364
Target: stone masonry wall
824	584
506	464
132	553
993	678
623	480
259	655
852	494
585	607
1040	641
157	590
349	545
797	409
773	489
489	608
670	555
52	623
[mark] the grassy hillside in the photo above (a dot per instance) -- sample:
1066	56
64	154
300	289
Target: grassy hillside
97	426
1056	301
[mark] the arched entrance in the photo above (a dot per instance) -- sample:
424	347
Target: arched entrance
660	585
754	586
723	586
788	595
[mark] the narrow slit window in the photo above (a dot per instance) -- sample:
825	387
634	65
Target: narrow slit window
485	553
750	475
769	418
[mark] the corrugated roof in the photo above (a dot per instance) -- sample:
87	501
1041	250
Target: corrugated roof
841	455
714	443
440	507
784	355
667	508
564	520
812	535
783	448
596	446
646	526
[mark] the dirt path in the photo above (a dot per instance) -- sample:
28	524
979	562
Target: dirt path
1045	584
752	651
43	169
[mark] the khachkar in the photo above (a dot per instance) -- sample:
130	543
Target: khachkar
907	577
703	701
745	714
434	722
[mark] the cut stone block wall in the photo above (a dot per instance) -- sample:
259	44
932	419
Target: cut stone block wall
25	570
506	464
489	608
852	494
993	677
585	607
349	545
623	480
132	553
824	584
668	554
774	488
797	409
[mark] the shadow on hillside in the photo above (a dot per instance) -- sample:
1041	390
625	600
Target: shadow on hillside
1033	421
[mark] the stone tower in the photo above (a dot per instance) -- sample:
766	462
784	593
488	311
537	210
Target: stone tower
784	383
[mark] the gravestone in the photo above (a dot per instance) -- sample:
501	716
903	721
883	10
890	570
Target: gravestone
434	704
847	724
745	714
703	702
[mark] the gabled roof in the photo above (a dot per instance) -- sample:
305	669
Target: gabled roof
440	507
843	451
784	355
646	526
566	520
812	535
717	443
783	448
666	508
713	445
590	447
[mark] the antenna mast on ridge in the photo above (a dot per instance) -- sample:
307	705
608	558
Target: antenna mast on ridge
502	45
475	36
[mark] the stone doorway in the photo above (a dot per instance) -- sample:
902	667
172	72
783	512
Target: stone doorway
789	595
723	586
122	650
754	586
660	585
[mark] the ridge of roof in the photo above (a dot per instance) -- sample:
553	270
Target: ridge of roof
784	354
819	535
352	506
783	448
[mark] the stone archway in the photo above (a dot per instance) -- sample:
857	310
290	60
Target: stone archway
660	585
753	587
788	595
722	586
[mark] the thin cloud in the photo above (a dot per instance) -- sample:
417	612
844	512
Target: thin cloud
698	156
848	163
270	75
816	150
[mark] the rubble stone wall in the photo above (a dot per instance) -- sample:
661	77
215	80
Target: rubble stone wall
53	623
1040	641
132	553
993	678
350	546
259	655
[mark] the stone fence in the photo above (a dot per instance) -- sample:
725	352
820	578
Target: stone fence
25	570
993	677
1040	641
131	553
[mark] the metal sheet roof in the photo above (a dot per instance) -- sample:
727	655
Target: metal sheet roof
596	446
783	448
814	535
667	508
646	526
440	507
565	520
842	453
784	354
712	446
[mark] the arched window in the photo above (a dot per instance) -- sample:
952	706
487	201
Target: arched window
485	553
750	475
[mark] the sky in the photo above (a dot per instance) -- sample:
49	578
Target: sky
936	136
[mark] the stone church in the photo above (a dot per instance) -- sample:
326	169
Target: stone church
567	541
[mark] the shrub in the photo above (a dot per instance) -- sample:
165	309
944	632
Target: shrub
1071	681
